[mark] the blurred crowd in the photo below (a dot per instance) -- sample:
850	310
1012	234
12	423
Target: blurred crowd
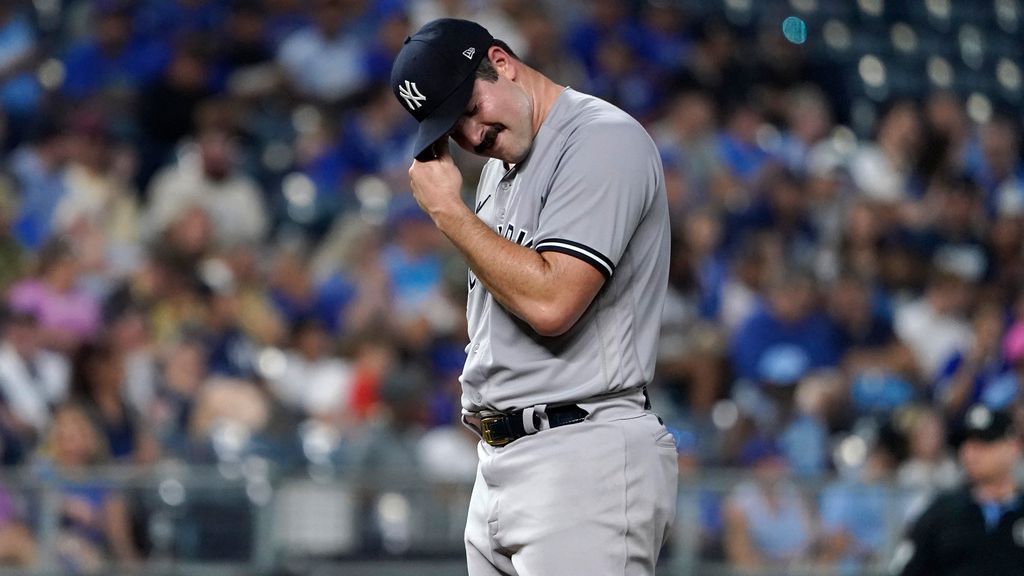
208	252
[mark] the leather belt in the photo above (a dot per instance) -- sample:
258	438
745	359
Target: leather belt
505	427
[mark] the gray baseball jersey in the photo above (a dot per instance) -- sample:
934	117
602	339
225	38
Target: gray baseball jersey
592	187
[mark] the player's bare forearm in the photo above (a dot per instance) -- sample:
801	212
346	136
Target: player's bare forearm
548	291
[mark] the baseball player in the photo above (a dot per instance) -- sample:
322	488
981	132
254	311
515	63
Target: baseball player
568	247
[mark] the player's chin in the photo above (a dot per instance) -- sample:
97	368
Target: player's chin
507	151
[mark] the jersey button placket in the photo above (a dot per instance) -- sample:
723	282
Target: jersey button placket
502	200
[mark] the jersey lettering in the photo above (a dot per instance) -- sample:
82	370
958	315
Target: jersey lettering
521	237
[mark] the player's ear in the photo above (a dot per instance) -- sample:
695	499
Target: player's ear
502	62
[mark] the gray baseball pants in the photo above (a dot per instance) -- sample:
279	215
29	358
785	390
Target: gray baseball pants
586	499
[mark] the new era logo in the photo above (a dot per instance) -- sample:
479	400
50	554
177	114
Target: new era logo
468	52
412	96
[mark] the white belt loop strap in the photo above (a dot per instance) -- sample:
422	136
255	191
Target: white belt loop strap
528	413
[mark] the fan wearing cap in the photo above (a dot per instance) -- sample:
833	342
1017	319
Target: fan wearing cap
567	244
977	530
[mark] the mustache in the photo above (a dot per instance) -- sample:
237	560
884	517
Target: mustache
489	137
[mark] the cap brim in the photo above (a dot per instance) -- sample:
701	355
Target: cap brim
980	435
443	118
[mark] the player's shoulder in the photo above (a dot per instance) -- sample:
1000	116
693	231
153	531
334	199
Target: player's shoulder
583	112
949	503
594	123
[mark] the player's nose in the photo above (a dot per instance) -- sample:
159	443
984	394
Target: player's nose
468	133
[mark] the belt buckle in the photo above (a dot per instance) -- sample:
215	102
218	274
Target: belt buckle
495	430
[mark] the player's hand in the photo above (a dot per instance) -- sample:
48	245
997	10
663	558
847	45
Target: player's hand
436	184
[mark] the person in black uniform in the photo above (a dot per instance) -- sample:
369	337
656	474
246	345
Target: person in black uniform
976	530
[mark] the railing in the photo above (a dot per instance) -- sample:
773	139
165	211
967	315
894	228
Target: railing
242	519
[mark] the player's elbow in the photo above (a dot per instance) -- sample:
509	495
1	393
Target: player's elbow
551	321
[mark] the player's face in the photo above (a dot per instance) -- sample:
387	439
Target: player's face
988	461
497	122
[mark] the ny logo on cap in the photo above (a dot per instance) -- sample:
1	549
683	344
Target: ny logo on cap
411	94
468	52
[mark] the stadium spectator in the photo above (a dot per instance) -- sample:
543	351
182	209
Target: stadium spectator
94	525
182	372
315	383
37	167
996	165
413	265
934	326
883	171
207	175
246	49
948	135
115	62
20	92
669	44
294	292
692	348
97	388
864	335
808	121
978	372
392	29
67	315
951	230
861	242
929	467
779	206
98	212
324	60
768	525
374	140
737	146
602	20
854	512
32	379
881	369
543	49
753	264
374	354
129	331
228	421
621	76
233	351
1004	236
685	137
790	324
168	106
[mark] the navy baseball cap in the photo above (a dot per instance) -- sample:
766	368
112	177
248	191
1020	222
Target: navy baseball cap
985	424
434	73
